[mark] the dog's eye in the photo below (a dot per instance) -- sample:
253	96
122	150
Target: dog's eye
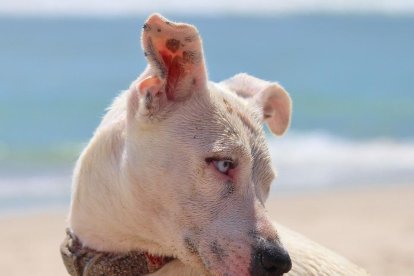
223	166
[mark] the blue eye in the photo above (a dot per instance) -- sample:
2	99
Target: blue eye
223	166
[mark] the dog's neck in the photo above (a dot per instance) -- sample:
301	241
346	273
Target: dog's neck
81	260
104	214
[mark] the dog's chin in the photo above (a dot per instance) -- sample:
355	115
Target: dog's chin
232	261
207	265
232	265
196	262
210	265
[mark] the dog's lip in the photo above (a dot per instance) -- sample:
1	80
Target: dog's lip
198	263
195	260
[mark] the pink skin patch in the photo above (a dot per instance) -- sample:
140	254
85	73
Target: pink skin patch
175	51
175	72
154	260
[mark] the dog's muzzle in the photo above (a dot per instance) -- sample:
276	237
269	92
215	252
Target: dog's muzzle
270	259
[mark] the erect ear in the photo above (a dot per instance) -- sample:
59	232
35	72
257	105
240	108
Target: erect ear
274	100
175	58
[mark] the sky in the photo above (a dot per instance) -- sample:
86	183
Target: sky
208	7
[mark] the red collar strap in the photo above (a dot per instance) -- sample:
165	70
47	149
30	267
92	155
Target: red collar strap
83	261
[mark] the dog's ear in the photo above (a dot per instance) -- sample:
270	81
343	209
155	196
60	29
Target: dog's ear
176	67
273	98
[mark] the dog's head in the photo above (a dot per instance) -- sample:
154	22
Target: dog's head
198	151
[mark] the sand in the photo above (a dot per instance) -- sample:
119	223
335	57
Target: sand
373	227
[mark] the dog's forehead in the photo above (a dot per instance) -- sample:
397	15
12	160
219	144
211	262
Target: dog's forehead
239	112
222	116
249	117
229	125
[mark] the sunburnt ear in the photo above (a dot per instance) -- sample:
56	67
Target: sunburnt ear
176	67
274	100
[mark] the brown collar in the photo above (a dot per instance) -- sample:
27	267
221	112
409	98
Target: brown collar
83	261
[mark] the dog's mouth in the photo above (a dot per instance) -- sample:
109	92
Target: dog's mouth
194	258
225	256
217	256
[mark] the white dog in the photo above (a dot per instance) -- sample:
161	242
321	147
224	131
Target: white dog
175	179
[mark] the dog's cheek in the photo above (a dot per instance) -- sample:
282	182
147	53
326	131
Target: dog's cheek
262	191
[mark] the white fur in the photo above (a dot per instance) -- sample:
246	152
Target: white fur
144	182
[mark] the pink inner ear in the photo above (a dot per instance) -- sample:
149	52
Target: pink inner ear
175	72
152	83
277	109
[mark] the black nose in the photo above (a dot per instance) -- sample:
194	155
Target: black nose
271	259
275	259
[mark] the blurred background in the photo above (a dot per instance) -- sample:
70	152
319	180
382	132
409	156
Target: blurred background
348	66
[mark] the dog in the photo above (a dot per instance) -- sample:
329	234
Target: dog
175	178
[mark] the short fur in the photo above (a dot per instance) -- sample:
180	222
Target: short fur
147	180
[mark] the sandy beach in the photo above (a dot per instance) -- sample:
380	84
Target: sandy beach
374	227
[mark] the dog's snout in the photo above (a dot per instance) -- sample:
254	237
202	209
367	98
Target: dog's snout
271	259
275	259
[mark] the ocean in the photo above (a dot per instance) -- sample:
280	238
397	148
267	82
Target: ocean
350	78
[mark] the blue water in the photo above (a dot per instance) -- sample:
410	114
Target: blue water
350	77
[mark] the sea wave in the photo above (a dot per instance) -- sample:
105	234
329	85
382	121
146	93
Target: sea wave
28	192
303	162
321	160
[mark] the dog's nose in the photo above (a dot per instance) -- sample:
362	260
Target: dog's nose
271	259
275	259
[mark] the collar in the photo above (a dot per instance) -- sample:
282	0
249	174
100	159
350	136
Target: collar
83	261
